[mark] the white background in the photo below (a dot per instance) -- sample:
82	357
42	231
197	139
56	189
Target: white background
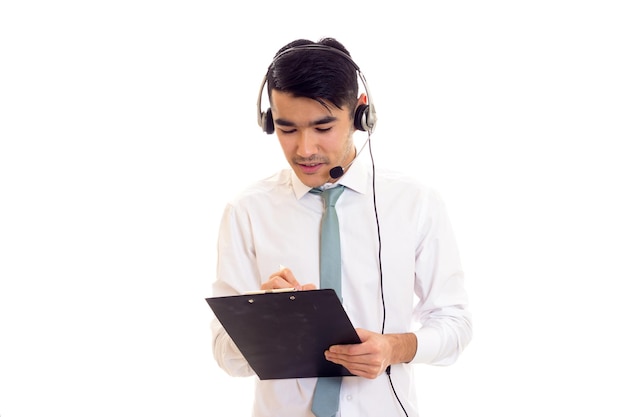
126	125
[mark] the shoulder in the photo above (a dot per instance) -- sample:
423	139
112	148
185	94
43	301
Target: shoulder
272	188
400	185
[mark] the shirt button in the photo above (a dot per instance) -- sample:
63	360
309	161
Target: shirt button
349	397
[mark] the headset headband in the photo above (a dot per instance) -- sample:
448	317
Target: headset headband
365	115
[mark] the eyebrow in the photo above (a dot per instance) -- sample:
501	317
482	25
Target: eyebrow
322	121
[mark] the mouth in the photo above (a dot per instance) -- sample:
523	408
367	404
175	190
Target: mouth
310	168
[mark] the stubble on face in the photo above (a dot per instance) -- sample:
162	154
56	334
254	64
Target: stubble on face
314	138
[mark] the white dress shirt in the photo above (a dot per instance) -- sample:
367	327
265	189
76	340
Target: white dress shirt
276	222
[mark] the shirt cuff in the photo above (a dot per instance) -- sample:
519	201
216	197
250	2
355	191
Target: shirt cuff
428	345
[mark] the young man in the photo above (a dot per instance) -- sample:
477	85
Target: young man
401	277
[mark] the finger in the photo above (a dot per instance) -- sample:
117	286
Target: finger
348	357
289	278
287	275
306	287
276	282
359	368
350	350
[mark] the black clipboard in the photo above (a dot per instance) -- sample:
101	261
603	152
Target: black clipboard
284	334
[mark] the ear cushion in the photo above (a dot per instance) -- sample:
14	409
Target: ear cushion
360	117
268	122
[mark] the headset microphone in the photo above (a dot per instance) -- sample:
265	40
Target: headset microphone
338	171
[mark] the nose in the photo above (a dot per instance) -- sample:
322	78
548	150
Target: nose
307	144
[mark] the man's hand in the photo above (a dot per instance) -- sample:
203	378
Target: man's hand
284	278
375	353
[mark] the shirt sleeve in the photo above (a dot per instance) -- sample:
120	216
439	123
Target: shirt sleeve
445	324
235	274
226	353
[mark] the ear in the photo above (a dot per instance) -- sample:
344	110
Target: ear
361	114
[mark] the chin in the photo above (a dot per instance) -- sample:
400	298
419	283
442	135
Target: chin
313	181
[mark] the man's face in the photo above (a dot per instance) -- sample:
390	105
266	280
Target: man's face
314	138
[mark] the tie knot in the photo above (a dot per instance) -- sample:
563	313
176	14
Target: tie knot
330	195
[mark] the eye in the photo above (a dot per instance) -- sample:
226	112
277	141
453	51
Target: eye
287	131
323	129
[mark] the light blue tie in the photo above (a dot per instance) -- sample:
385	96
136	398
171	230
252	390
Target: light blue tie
326	394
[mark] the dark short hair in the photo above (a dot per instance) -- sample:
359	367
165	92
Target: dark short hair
315	73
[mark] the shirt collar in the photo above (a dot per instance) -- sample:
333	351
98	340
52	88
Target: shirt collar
357	178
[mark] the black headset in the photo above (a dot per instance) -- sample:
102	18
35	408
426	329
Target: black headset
364	115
